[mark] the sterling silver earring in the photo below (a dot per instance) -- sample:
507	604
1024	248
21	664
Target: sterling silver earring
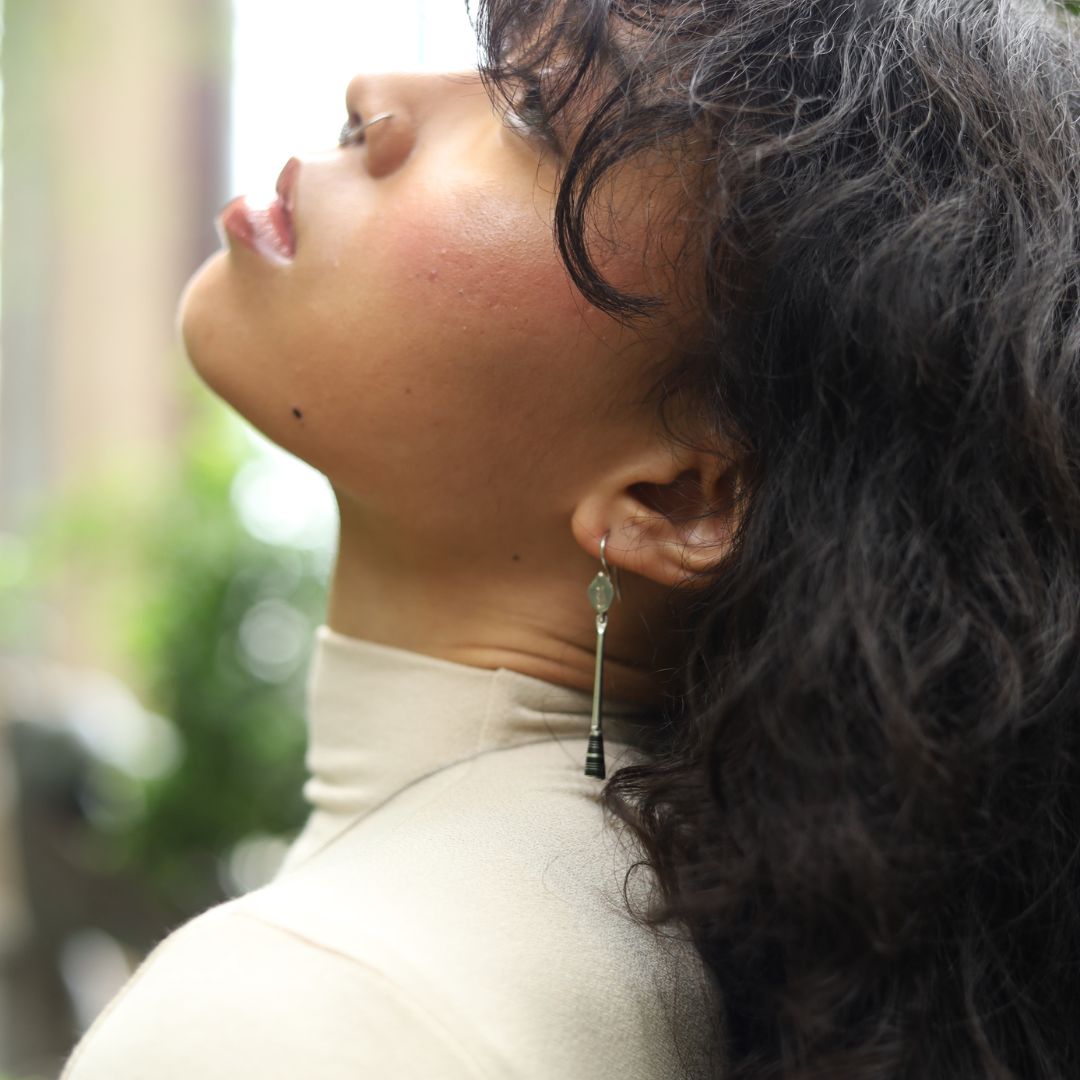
602	593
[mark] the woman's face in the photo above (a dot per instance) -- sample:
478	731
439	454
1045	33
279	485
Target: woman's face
409	330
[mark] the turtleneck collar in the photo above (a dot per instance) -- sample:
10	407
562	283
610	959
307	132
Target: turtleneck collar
381	718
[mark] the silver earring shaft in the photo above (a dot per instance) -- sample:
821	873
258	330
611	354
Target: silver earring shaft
601	596
594	755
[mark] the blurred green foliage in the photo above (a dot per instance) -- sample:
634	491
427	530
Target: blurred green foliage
243	733
181	584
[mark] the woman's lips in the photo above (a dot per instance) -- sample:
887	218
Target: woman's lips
266	228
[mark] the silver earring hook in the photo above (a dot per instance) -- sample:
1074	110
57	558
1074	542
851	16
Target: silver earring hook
354	133
611	573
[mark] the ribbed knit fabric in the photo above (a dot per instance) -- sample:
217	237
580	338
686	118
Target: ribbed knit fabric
454	908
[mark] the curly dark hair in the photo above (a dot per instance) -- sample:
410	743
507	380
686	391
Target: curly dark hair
867	806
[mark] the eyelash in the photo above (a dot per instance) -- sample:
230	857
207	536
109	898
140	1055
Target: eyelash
527	115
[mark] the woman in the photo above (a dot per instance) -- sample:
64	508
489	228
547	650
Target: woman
802	363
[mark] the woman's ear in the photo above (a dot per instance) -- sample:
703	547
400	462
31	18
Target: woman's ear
670	516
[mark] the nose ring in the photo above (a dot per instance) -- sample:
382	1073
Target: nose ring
353	133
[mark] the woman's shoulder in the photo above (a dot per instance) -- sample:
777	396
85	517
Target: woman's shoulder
509	853
229	996
495	892
517	835
487	901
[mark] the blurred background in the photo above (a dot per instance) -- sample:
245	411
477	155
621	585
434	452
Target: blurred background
162	567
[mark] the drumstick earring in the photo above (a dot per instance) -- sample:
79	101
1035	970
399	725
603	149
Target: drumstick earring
602	594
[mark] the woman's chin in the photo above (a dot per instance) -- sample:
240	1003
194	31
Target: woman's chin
195	282
202	321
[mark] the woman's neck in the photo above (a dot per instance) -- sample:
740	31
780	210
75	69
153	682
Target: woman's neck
526	611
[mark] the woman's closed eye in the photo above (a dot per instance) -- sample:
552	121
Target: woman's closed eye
527	116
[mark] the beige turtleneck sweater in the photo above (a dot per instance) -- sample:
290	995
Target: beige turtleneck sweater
454	908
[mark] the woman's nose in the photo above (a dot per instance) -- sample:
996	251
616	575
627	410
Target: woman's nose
387	143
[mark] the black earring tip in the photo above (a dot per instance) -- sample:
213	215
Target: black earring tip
594	757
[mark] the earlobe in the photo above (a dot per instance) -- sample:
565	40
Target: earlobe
672	529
